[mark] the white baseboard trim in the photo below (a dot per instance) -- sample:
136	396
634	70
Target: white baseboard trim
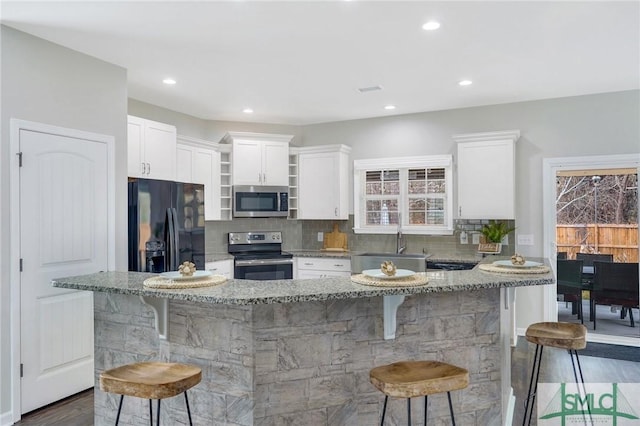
511	406
6	418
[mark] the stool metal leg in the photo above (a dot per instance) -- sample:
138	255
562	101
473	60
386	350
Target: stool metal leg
158	414
535	372
186	400
150	413
384	409
575	375
425	410
409	411
453	420
119	409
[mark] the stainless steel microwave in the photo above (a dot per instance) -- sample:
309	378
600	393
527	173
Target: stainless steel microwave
260	201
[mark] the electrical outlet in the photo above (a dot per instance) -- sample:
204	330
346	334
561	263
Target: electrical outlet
463	238
320	236
505	240
525	239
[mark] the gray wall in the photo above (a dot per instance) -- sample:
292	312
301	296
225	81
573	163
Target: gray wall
47	83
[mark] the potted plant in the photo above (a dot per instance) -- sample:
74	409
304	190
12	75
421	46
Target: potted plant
493	233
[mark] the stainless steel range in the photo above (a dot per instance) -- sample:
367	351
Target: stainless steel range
259	256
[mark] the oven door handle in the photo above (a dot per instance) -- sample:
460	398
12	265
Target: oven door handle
254	262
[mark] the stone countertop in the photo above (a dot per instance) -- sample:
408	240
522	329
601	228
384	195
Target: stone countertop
214	257
321	253
247	292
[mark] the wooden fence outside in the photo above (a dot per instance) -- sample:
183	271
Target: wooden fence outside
619	240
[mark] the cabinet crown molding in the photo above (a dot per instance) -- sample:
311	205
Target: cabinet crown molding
488	136
230	136
188	140
345	149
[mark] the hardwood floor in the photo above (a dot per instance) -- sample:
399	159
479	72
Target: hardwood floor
77	410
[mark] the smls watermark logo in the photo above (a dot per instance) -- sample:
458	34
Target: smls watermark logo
601	404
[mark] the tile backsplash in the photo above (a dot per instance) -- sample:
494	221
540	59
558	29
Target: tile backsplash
303	234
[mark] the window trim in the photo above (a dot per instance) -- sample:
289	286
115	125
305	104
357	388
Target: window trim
428	161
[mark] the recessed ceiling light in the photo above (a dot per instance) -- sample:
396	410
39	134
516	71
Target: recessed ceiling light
431	25
465	82
389	107
169	81
369	89
247	111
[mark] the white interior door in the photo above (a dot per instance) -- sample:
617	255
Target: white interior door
63	232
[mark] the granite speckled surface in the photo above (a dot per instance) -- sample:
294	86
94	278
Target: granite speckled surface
247	292
214	257
321	253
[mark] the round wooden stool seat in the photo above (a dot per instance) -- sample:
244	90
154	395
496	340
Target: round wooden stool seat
558	334
407	379
150	380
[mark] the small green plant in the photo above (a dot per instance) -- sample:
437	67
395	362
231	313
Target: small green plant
495	231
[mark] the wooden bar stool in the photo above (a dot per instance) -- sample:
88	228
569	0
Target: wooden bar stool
562	335
151	380
407	379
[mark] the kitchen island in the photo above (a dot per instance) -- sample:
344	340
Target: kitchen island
300	351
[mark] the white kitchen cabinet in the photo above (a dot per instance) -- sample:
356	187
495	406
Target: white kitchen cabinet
486	175
198	161
151	149
323	182
259	158
322	267
220	267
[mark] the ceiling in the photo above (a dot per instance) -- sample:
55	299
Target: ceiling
302	62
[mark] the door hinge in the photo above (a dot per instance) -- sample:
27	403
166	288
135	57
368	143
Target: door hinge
20	264
21	370
19	159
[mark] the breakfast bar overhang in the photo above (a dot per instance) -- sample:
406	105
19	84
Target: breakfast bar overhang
300	351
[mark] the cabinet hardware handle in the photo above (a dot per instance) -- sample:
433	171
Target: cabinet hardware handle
338	265
308	264
336	211
264	178
260	177
143	168
148	168
460	211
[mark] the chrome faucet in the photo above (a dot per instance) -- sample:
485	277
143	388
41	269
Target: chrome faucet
401	244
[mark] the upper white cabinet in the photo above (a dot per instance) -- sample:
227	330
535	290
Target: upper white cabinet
323	182
151	149
198	161
486	175
259	158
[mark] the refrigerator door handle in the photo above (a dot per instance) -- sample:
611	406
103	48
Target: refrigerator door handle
176	240
168	241
172	242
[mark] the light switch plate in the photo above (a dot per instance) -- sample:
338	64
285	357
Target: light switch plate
525	239
321	236
475	238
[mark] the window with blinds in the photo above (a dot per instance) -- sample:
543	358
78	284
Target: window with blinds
403	195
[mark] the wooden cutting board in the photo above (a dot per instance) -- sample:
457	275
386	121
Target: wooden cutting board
335	240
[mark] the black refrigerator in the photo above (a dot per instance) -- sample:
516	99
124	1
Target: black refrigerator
166	225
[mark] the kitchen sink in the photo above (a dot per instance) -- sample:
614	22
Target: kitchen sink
413	262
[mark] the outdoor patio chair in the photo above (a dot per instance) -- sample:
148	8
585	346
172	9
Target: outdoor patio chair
569	283
616	284
589	258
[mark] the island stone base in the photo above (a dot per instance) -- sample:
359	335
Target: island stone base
304	363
